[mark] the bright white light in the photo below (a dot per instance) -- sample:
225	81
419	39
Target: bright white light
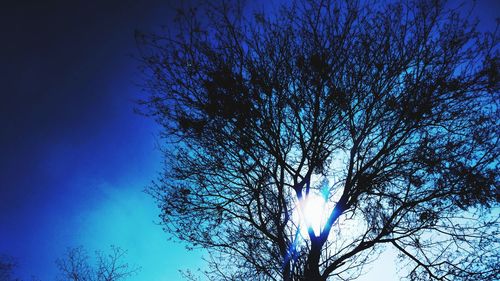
311	212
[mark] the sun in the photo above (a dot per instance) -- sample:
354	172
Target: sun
311	211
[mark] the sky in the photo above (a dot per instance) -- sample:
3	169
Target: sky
74	157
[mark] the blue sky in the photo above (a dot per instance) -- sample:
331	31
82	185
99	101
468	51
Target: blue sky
74	158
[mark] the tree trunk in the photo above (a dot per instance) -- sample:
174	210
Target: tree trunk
311	272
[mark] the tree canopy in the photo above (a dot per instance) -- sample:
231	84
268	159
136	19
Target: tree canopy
386	110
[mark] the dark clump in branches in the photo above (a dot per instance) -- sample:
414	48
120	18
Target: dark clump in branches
389	112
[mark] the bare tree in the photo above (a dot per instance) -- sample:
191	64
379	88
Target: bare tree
386	111
75	266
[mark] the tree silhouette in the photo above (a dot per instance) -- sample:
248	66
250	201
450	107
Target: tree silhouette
387	112
75	266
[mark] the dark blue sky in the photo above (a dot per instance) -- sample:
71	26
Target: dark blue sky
74	158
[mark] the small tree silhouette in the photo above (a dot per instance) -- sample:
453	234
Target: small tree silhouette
7	266
75	266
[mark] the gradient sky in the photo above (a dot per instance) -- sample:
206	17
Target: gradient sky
74	158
